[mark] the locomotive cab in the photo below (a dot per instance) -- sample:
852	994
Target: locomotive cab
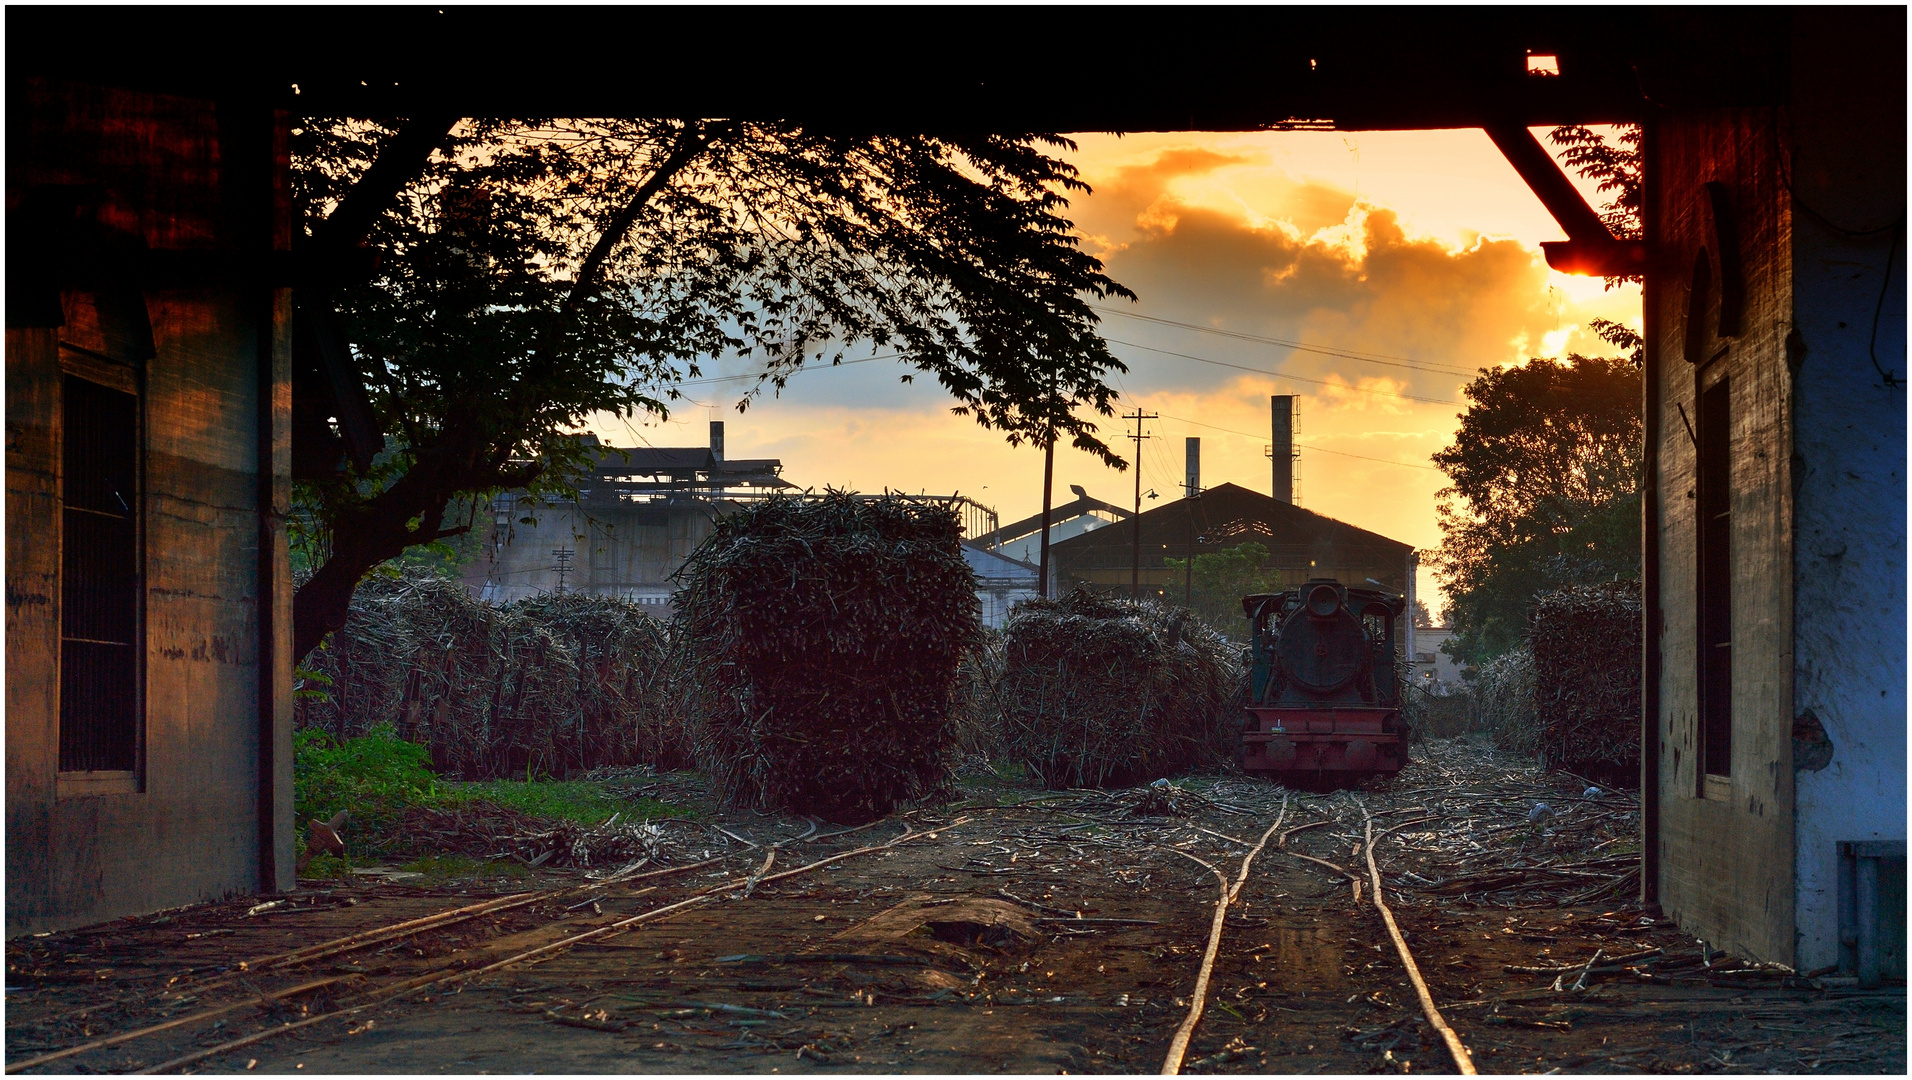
1324	703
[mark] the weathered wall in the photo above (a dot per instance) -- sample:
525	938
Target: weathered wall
620	549
1847	134
1726	855
193	829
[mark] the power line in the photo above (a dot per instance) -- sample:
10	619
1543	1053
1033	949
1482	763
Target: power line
1298	346
798	371
1305	446
1282	375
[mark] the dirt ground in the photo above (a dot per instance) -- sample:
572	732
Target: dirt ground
1014	931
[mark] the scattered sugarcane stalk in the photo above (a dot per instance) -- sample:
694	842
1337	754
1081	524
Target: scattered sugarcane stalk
1178	1046
1462	1060
206	1014
442	977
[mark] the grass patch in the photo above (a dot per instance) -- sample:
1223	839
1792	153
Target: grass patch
582	801
327	867
375	776
378	776
463	866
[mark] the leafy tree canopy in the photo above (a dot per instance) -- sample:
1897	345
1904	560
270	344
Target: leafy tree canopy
1220	580
534	272
1544	490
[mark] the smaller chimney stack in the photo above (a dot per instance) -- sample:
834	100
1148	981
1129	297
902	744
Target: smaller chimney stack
1193	486
717	440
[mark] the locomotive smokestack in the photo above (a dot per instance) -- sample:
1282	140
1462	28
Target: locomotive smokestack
717	440
1193	486
1281	453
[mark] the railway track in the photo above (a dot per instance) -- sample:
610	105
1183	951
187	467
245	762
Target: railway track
454	972
1272	955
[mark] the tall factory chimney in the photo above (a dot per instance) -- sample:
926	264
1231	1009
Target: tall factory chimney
717	440
1281	454
1193	485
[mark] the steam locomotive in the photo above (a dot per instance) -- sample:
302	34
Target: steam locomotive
1324	706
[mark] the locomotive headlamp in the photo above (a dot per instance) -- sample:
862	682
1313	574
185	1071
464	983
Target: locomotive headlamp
1323	601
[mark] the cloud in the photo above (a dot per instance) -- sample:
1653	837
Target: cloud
1361	283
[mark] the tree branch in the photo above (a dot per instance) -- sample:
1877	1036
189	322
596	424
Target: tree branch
402	161
690	142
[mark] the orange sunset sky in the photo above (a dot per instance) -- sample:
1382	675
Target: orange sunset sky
1417	249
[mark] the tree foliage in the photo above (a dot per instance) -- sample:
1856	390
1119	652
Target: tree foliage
1221	579
534	272
1620	168
1544	490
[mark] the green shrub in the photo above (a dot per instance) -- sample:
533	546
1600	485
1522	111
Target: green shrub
378	777
375	776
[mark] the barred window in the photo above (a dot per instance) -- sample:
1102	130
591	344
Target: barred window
99	580
1715	580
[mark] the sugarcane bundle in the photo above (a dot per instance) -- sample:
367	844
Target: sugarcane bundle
821	640
417	654
1104	693
1504	700
620	654
978	705
553	685
1586	661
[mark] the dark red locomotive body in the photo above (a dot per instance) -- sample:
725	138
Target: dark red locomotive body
1324	705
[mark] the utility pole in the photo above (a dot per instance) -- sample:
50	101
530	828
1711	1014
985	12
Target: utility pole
1048	486
1191	490
1135	568
564	565
1048	481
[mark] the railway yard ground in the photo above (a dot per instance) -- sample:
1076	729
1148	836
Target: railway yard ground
1008	930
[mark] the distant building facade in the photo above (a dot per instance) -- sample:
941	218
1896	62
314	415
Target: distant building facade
1002	582
635	520
1431	665
645	509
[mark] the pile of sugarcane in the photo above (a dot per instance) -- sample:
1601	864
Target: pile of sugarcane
1586	680
1105	693
822	640
978	714
1504	701
549	686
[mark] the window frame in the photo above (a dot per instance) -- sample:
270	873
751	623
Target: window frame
108	373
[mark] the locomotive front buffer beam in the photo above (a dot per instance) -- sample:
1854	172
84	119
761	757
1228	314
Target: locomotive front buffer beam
1317	740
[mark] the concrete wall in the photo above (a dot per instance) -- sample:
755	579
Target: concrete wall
1726	851
210	811
1847	135
622	549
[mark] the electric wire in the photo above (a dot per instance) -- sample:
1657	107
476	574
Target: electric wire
1282	375
1388	359
1301	445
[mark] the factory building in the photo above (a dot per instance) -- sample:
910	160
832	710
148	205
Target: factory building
635	520
644	509
1301	545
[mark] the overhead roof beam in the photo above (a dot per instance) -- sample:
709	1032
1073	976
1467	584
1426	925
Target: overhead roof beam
1590	247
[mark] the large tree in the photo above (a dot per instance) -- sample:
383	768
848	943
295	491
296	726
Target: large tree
1545	468
531	273
1544	490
